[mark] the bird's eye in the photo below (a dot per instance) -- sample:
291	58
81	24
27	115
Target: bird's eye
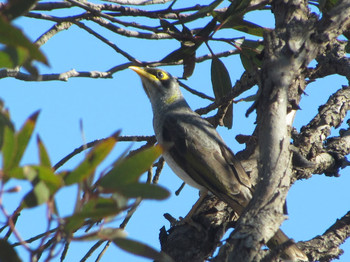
160	75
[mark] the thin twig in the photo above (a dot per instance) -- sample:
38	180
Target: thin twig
103	251
93	143
131	211
195	92
92	249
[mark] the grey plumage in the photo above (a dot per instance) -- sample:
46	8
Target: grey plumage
195	150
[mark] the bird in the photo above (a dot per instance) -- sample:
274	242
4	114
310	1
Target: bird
196	152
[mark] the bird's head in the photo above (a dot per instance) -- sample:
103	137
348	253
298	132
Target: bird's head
159	85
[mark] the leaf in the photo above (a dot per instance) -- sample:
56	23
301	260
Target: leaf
38	196
327	5
43	155
222	86
8	148
129	170
143	190
23	136
179	54
92	160
237	9
16	143
251	98
189	48
250	28
202	12
104	233
7	252
11	57
347	47
4	122
16	8
251	54
140	249
95	209
171	29
238	23
45	184
13	37
189	65
207	30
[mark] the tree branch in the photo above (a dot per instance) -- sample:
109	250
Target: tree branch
310	140
326	246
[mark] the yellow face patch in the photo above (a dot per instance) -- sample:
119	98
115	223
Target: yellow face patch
151	74
161	75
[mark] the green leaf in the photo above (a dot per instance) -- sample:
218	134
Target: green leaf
347	47
7	252
202	12
43	155
95	209
171	29
327	5
38	196
104	233
250	28
143	190
8	148
16	8
23	136
189	63
179	54
251	98
251	54
129	170
222	86
189	48
92	160
13	37
45	184
236	9
11	57
4	122
16	143
238	23
140	249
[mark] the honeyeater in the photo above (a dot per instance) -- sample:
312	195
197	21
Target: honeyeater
195	150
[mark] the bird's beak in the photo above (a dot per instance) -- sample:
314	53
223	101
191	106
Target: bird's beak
143	73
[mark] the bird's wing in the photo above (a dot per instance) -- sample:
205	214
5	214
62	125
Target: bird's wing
199	150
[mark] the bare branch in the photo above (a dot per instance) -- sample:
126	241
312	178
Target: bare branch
200	238
92	250
139	2
326	246
333	23
52	31
109	43
51	6
333	61
50	77
311	139
15	73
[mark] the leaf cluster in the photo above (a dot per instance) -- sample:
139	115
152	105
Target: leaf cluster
100	201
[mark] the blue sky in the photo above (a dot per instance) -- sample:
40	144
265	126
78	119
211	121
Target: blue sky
107	105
